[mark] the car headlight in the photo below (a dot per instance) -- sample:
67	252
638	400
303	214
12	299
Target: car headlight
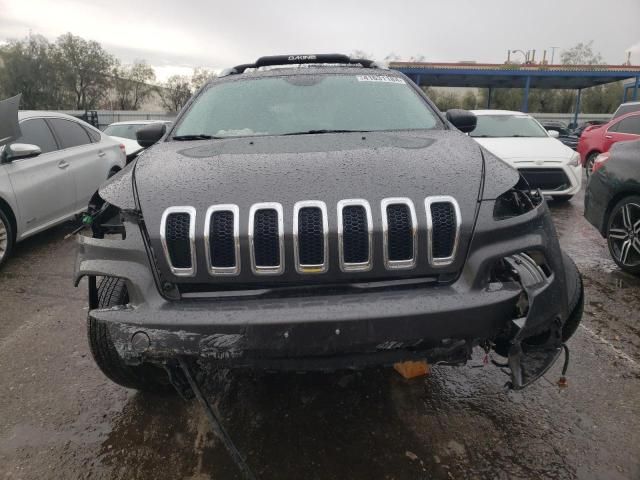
575	160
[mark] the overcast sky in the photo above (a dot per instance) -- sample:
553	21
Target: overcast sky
177	36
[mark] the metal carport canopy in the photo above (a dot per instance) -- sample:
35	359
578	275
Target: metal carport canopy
512	75
486	75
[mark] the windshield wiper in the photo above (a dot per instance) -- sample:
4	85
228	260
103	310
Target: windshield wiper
198	136
314	132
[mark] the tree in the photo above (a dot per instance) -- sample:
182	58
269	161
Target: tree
201	76
85	69
27	67
447	100
132	84
581	54
175	92
469	100
503	98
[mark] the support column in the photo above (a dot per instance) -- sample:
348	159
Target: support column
418	80
575	115
635	89
489	95
525	98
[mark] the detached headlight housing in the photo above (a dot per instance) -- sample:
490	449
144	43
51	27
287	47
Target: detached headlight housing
515	202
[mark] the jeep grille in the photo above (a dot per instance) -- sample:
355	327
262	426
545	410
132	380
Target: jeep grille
311	240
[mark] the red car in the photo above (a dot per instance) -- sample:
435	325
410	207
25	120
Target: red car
598	139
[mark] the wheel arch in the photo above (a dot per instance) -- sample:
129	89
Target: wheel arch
589	153
612	203
8	211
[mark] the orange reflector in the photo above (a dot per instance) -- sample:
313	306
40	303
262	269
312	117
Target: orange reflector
412	369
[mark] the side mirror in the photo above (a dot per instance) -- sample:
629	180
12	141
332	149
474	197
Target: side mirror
463	120
16	151
553	133
150	134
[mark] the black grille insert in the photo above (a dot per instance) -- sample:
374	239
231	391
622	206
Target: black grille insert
444	225
222	240
355	234
266	241
546	178
177	239
310	236
399	232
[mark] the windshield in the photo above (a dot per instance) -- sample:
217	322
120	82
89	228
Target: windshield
123	131
306	103
507	126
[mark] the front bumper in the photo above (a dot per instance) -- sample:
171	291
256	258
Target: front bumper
573	175
377	324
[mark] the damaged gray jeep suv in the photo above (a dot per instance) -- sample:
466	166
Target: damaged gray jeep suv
323	215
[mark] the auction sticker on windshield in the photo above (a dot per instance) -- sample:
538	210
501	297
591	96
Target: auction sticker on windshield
380	78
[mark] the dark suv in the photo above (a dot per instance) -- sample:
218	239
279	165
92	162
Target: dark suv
320	216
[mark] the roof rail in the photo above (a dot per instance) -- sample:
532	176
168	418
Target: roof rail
300	60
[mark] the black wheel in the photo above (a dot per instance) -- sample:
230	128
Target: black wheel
623	234
111	292
562	198
591	159
6	238
575	293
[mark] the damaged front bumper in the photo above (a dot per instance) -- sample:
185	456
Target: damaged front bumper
523	304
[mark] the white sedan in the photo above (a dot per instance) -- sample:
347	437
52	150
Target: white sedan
125	133
49	174
543	161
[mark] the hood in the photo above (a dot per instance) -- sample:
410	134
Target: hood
526	148
328	167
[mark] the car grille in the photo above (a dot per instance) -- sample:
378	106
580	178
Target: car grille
310	234
222	240
546	178
177	234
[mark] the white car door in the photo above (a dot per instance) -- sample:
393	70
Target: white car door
44	189
87	159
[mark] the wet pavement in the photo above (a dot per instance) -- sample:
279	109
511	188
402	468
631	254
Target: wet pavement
61	418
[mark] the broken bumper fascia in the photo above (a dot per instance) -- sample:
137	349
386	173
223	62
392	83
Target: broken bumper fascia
440	323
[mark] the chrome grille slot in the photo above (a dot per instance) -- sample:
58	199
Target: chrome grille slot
399	228
177	233
443	228
310	236
266	238
221	238
355	235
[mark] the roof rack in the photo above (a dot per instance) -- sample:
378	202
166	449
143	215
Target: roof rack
300	60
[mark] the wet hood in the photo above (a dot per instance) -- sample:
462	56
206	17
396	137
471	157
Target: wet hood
526	148
288	169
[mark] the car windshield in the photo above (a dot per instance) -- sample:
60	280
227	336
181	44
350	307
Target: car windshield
500	126
306	103
123	131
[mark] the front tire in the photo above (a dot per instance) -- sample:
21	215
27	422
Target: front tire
623	234
575	294
6	238
112	291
